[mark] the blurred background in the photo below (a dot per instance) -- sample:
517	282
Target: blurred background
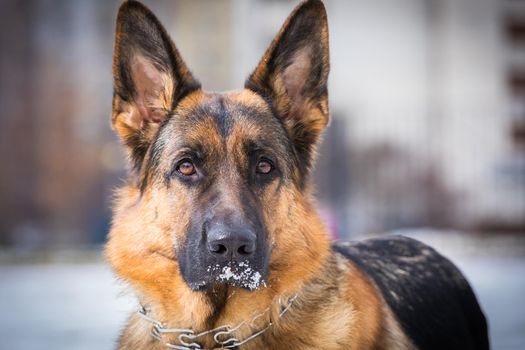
427	139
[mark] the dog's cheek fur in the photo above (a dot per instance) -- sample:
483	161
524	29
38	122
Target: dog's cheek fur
298	247
141	251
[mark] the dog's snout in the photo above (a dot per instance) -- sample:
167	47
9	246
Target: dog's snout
225	243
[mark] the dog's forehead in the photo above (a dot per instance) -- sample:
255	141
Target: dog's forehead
215	120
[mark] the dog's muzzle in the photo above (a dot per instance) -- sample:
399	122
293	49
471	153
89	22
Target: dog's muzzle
225	253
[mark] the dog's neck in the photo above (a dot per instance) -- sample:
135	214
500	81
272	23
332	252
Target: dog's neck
224	336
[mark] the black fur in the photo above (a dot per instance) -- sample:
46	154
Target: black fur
429	296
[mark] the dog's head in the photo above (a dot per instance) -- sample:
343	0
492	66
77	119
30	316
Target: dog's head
219	187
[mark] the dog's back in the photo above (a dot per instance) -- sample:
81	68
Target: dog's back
431	299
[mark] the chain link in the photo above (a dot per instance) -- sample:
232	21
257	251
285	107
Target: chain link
223	335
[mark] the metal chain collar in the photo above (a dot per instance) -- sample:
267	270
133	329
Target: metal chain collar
223	335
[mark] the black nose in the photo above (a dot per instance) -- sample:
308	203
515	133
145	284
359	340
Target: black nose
230	243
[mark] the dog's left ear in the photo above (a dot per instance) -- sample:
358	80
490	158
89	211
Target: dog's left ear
292	76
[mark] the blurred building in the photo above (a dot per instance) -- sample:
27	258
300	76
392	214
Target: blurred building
427	97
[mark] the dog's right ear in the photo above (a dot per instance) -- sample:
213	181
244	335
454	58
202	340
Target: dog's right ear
149	78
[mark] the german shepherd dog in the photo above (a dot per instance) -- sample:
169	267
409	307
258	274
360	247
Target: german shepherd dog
216	230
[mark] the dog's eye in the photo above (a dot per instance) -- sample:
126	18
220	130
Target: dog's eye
185	167
264	166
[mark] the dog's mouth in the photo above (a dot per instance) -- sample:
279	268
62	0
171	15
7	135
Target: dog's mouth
237	274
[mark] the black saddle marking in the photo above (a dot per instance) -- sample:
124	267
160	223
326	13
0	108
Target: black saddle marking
431	299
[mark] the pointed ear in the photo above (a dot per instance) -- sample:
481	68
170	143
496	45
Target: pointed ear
149	77
292	76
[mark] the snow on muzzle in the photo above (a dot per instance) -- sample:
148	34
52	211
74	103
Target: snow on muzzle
239	274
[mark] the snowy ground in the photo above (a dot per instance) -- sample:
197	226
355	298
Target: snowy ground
80	306
60	306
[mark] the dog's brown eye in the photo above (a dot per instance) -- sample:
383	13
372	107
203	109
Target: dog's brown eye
186	167
264	167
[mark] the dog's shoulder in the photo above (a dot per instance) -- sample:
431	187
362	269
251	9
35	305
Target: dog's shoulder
429	296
